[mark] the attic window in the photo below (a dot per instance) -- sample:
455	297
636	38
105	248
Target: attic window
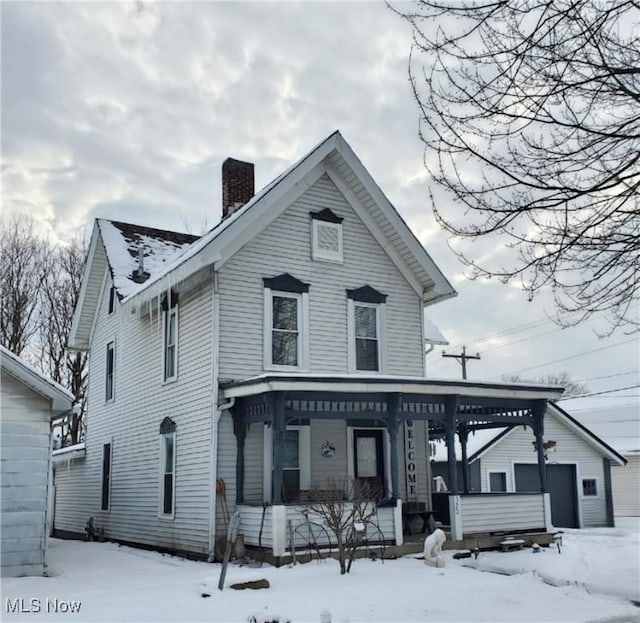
326	236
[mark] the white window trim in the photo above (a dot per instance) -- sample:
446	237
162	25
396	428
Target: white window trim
325	255
592	495
304	458
351	465
161	514
165	316
381	323
506	480
303	330
111	340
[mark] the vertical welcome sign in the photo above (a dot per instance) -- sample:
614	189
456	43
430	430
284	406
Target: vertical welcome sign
410	460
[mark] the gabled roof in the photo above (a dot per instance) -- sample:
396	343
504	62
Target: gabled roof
335	158
115	250
170	257
123	243
480	443
61	398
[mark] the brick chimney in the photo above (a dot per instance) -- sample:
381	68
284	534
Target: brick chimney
237	185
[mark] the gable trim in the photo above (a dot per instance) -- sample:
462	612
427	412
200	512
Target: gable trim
219	245
581	430
61	399
381	239
589	436
87	276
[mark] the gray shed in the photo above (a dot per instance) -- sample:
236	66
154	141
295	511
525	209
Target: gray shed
29	401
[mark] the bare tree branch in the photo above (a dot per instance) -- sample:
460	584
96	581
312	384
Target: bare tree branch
530	116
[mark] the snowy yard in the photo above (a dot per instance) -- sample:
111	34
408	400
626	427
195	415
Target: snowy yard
595	577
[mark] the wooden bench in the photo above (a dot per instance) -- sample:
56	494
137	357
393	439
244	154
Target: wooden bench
509	545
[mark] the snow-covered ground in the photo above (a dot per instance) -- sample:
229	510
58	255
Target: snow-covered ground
595	576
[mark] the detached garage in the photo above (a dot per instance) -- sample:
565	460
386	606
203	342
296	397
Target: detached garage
29	401
578	468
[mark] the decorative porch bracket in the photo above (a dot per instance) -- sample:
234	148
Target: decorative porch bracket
451	409
394	406
538	411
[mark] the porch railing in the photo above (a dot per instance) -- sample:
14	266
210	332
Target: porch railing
498	512
269	528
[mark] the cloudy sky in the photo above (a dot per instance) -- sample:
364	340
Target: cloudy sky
126	111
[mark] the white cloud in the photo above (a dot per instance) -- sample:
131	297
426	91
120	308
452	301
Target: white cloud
127	110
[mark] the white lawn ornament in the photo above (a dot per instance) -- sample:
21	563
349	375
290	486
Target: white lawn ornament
433	548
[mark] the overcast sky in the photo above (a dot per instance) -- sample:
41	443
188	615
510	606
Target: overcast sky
126	111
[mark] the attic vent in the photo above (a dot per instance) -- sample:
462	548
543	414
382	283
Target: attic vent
326	236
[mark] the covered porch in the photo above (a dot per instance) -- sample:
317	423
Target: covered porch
297	435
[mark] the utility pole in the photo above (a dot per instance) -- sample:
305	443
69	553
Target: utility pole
462	359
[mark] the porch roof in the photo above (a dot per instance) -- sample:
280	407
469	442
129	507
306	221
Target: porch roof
385	384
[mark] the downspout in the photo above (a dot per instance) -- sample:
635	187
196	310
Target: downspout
216	412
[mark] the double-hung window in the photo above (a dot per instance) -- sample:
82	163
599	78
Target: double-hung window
285	323
171	344
110	369
167	467
170	336
365	328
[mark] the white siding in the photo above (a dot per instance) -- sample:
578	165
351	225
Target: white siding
253	464
226	471
626	487
285	246
131	424
517	447
489	513
24	469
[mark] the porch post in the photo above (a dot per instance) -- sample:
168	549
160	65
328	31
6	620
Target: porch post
240	431
538	411
451	410
279	427
463	435
393	409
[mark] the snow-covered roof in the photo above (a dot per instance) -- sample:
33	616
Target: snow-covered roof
617	426
61	399
171	258
123	244
330	156
432	334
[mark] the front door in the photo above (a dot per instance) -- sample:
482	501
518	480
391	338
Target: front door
368	459
561	483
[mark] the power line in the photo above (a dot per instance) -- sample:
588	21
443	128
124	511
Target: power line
607	391
586	352
619	407
608	376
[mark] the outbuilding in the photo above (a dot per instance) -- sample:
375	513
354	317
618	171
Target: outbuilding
29	402
578	468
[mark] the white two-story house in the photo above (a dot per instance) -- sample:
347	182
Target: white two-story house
282	349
